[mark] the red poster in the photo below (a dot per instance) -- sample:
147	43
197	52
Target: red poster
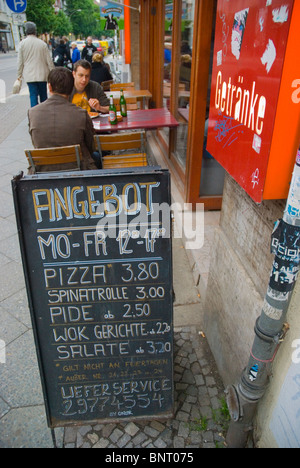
249	51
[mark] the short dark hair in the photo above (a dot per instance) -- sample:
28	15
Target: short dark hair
82	63
61	80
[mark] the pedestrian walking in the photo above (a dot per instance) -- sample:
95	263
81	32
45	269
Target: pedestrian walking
53	43
1	47
100	71
61	55
88	50
75	53
34	64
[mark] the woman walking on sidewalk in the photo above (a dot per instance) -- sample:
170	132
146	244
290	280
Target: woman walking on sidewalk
35	63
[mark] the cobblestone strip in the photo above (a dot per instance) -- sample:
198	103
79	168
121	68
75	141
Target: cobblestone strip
198	422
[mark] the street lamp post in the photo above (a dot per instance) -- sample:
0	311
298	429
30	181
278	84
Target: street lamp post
72	12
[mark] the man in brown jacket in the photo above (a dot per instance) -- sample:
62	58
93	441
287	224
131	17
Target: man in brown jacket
57	122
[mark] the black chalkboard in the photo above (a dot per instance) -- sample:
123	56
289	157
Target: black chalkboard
96	251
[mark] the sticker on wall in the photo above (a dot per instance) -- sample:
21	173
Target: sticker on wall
278	296
239	25
285	241
281	15
293	204
271	311
284	275
269	55
256	145
253	372
261	24
285	245
219	58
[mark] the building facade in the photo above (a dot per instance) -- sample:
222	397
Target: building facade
176	50
11	28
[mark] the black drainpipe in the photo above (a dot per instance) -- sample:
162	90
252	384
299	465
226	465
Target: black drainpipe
271	327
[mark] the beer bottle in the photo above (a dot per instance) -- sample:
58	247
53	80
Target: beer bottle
112	112
123	105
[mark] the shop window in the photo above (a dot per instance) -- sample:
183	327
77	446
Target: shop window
178	48
185	32
212	173
184	64
167	82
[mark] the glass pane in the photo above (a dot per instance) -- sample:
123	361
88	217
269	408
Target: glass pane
167	57
212	176
212	173
184	85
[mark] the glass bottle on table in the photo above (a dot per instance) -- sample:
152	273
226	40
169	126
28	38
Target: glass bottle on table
112	112
123	105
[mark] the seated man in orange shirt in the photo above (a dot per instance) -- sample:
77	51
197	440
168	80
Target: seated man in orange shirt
86	93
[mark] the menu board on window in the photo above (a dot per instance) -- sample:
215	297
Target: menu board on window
96	251
249	51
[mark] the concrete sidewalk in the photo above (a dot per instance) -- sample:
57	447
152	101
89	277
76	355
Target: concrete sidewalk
198	421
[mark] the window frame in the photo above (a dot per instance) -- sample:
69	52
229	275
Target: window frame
151	77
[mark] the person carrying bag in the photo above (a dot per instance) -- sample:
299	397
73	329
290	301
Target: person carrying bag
17	86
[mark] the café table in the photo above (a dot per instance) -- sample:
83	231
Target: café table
139	94
147	119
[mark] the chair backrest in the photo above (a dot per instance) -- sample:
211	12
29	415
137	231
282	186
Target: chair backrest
128	160
131	103
127	149
118	86
121	141
106	85
53	156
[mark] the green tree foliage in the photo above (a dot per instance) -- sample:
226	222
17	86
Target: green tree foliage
81	17
41	12
62	25
85	22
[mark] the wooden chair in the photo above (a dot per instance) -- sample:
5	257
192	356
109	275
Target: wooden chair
127	149
106	85
131	102
53	156
119	86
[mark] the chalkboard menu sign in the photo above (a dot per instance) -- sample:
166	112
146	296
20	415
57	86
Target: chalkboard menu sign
96	250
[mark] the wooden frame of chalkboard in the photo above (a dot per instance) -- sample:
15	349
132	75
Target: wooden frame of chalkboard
97	256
